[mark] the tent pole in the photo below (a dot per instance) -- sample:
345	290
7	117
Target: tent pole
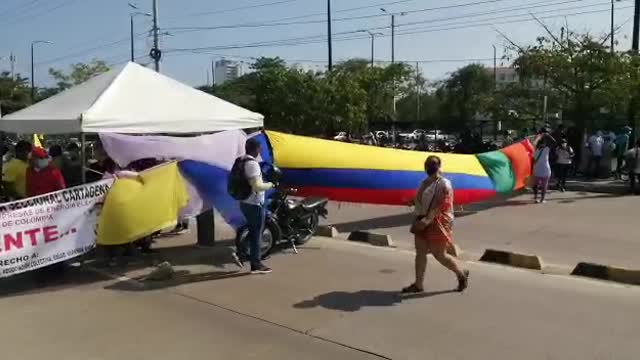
83	157
206	228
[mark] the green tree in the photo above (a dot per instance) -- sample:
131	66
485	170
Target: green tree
14	93
79	73
466	93
580	73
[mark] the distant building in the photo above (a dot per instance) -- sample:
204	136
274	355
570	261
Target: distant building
226	70
508	75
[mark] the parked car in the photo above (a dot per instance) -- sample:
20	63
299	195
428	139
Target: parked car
342	136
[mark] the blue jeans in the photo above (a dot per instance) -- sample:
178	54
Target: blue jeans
255	215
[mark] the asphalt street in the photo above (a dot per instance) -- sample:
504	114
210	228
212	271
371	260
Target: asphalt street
570	228
333	300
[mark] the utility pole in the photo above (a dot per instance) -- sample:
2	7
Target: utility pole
12	61
133	58
495	67
417	91
393	59
636	27
213	73
330	45
156	54
495	87
373	40
33	83
613	9
393	38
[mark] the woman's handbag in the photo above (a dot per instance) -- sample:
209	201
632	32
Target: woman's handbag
418	226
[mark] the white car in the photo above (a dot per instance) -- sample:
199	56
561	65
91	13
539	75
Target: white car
342	136
415	135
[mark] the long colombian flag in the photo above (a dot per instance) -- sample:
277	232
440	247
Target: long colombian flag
368	174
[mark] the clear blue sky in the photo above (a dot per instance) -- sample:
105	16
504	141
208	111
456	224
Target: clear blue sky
85	29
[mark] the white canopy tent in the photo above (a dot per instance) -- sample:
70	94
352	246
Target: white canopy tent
133	100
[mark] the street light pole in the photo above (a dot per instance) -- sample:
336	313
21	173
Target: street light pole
373	39
131	16
33	82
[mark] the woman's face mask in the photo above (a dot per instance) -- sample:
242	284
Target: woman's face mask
42	163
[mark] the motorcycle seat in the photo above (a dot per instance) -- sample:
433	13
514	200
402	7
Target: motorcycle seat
312	203
292	204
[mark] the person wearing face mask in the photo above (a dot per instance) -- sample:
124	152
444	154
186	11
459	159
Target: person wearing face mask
42	176
432	227
564	161
14	172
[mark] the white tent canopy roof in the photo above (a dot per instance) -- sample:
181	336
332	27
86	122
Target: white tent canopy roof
133	100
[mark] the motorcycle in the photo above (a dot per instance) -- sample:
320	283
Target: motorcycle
292	221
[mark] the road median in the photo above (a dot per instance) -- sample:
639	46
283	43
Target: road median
606	272
509	258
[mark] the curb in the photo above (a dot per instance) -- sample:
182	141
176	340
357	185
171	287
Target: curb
620	189
532	262
371	238
326	231
605	272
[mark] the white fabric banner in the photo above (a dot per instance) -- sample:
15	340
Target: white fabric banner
50	228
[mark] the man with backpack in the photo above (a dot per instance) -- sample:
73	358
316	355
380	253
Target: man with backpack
246	186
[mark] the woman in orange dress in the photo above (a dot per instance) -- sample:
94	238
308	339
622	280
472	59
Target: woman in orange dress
432	227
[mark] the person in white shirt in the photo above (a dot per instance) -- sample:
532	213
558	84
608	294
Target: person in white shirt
541	170
253	207
564	161
632	158
595	145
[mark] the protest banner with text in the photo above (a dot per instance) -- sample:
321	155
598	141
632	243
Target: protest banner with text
50	228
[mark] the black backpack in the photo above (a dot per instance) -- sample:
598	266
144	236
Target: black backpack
238	185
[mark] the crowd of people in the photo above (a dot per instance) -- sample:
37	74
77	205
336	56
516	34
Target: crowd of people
555	157
31	171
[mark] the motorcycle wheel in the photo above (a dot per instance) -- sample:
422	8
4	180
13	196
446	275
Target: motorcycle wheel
307	228
267	241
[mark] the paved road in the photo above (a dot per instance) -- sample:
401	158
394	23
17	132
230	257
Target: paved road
570	228
334	300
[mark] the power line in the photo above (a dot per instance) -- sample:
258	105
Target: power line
324	62
322	38
99	47
39	14
351	18
88	50
247	7
22	7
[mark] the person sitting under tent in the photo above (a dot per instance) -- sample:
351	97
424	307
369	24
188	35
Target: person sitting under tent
15	171
42	176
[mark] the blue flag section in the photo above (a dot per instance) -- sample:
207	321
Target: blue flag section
211	182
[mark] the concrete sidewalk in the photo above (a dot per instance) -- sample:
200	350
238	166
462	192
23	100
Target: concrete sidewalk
345	293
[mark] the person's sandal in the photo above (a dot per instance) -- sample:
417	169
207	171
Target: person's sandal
463	282
412	289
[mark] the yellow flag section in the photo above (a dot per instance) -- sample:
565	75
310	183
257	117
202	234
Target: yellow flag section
138	207
36	140
301	152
